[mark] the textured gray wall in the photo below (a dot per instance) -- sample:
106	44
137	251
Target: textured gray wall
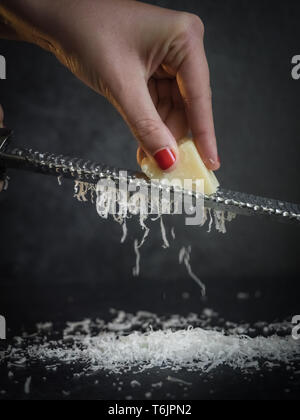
51	242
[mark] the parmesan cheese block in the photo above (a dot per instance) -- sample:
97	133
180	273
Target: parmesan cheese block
190	166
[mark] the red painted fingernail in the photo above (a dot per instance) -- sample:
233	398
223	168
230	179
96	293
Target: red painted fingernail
165	158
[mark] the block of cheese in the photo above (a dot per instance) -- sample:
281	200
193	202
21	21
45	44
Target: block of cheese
190	166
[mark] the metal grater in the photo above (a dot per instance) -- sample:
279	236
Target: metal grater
90	172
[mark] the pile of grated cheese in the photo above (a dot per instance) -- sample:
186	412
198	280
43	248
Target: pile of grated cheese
145	341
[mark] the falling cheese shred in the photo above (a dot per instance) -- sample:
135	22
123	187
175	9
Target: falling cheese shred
185	258
191	167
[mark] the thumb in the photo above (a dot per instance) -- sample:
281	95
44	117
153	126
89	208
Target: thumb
153	136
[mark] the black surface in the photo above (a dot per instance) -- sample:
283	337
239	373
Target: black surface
223	384
53	248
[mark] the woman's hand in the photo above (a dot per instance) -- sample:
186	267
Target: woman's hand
147	61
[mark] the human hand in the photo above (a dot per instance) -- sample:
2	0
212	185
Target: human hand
149	62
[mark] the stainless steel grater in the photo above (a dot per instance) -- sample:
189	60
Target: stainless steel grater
90	172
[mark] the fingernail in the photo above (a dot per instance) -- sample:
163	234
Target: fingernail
165	158
213	164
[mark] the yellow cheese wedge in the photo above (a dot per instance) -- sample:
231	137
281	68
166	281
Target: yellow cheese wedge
190	166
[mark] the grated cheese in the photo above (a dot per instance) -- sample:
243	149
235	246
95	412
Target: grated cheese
173	233
164	234
178	381
111	198
27	386
185	258
211	221
125	231
136	269
83	191
135	384
142	341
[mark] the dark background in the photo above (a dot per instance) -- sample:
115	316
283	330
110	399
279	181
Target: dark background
59	260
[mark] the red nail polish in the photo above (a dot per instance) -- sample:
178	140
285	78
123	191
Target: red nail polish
165	158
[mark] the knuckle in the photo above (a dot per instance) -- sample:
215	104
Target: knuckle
202	135
145	128
192	25
200	98
189	30
196	25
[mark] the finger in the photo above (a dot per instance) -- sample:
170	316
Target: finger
177	120
136	106
164	92
169	104
153	91
194	83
